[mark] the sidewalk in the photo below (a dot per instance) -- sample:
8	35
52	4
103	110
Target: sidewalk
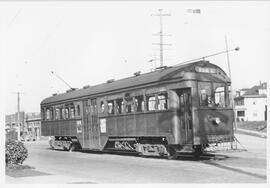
47	179
251	133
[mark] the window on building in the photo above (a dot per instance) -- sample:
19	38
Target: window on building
239	102
151	102
110	107
139	103
240	113
162	101
119	106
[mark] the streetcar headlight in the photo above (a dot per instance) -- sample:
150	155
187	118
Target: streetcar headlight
217	120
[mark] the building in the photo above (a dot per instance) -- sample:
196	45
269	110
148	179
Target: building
30	124
33	125
251	103
11	121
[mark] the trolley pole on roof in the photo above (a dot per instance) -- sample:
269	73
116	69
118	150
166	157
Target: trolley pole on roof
62	80
161	34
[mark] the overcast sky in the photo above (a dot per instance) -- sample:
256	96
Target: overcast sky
87	43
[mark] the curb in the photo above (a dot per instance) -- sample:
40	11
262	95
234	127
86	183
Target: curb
251	133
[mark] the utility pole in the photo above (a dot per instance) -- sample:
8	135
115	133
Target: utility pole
18	113
229	71
161	34
18	118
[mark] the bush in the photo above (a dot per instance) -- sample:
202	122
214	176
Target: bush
16	153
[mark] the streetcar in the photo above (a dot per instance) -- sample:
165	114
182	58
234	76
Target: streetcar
182	108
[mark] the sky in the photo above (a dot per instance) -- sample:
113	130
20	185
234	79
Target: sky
88	43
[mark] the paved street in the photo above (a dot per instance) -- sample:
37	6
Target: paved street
81	167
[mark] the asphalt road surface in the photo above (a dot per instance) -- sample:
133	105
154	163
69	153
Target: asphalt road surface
227	167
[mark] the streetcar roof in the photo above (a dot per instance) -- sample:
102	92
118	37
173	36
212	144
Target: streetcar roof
160	75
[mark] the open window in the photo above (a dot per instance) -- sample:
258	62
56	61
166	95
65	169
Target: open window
139	103
57	113
78	109
102	107
63	113
129	106
151	102
72	112
119	106
110	107
48	114
219	93
162	101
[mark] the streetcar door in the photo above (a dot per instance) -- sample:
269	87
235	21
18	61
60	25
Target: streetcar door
185	115
94	128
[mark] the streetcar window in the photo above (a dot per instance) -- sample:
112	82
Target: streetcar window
162	101
220	96
151	103
43	114
139	103
63	113
102	107
110	107
205	94
129	106
48	114
72	112
119	106
66	113
57	113
78	110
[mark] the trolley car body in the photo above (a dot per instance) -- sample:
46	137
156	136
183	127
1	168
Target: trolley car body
163	112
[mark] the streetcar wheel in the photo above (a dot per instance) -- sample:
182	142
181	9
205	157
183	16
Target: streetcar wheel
72	148
197	153
171	153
